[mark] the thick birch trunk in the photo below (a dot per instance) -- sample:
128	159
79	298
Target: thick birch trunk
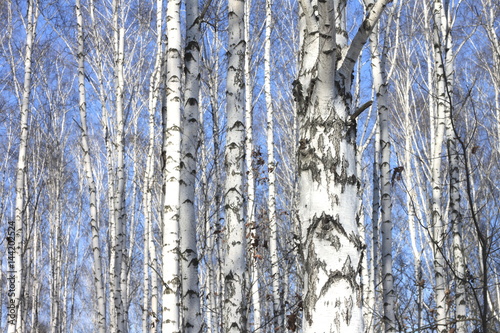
235	252
15	232
190	142
171	173
328	181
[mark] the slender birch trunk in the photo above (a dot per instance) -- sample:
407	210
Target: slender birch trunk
490	15
375	301
215	269
192	319
112	239
150	301
278	322
411	197
454	173
253	255
171	172
55	250
327	168
100	314
459	266
119	144
439	122
16	234
380	86
234	315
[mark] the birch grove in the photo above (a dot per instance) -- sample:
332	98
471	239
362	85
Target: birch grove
249	166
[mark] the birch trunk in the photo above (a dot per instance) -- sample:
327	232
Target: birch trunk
278	322
215	268
374	301
489	13
328	181
253	255
150	310
442	110
459	265
100	314
118	205
15	232
452	139
411	197
190	142
171	172
234	316
380	87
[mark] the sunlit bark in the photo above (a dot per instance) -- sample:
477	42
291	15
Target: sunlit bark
234	315
96	243
190	142
171	153
15	232
328	181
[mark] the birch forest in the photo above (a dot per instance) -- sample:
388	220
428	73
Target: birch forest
260	166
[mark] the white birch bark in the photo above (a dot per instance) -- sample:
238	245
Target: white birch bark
213	215
374	300
411	197
145	266
119	146
216	270
234	316
253	255
455	215
100	314
15	271
380	86
459	265
150	301
171	172
278	319
190	142
489	13
442	109
328	182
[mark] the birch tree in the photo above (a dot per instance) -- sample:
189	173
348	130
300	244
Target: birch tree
380	85
455	215
96	243
328	183
439	121
271	166
190	142
235	252
150	301
171	153
119	198
14	313
250	204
